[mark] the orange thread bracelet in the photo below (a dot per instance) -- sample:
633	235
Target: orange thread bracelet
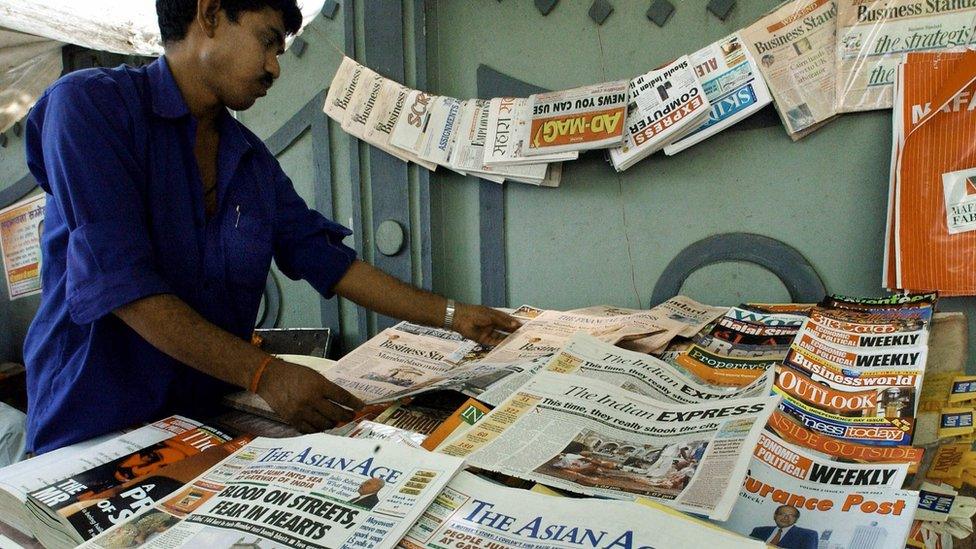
257	373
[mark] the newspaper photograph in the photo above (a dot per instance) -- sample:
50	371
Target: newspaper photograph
733	87
794	46
379	128
313	491
873	37
411	127
588	117
587	436
794	499
472	512
665	105
638	373
508	122
397	359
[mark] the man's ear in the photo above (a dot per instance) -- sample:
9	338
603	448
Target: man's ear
207	16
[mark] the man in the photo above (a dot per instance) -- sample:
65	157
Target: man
368	489
163	216
786	534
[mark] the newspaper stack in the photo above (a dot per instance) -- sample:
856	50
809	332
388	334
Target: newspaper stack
589	117
874	36
740	347
591	437
310	491
930	238
793	498
854	371
794	45
665	105
733	86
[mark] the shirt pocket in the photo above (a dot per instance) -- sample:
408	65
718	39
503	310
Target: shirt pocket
248	243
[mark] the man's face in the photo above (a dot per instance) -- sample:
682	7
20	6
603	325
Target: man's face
242	57
785	516
370	486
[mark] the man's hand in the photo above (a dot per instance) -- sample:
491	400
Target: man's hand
483	324
304	398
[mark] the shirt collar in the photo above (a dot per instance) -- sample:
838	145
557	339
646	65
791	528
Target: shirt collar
167	101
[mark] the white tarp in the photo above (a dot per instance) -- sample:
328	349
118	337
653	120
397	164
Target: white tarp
28	65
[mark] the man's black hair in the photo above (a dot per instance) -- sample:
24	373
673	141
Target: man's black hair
175	16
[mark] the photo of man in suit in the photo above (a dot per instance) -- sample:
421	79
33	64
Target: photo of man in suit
786	534
367	497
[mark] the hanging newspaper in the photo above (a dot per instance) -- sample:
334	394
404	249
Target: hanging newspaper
314	491
733	87
794	45
383	118
410	131
638	373
472	512
361	104
342	88
587	436
508	122
589	117
399	358
873	37
792	498
665	105
442	130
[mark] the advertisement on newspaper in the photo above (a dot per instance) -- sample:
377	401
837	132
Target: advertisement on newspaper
665	105
587	436
508	122
638	373
472	512
794	46
873	37
20	242
314	491
732	84
588	117
792	498
399	358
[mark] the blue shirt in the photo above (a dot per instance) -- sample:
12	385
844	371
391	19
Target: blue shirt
125	220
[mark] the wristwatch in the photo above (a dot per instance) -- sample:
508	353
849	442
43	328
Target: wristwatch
449	315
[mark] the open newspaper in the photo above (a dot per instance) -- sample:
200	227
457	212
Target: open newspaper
639	373
587	436
733	86
873	37
17	480
588	117
472	512
792	498
665	105
794	45
314	491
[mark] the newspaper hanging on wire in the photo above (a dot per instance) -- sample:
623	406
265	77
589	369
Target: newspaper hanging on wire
794	46
313	491
472	512
588	117
873	37
587	436
792	498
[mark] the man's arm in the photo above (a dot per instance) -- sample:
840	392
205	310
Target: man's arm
298	394
376	290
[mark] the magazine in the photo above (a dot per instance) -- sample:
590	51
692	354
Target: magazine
873	37
314	491
665	105
795	499
794	46
478	513
732	84
588	117
588	436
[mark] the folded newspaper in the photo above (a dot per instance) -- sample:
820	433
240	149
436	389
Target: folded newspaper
794	45
793	498
589	117
733	86
472	512
588	436
665	105
508	121
314	491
